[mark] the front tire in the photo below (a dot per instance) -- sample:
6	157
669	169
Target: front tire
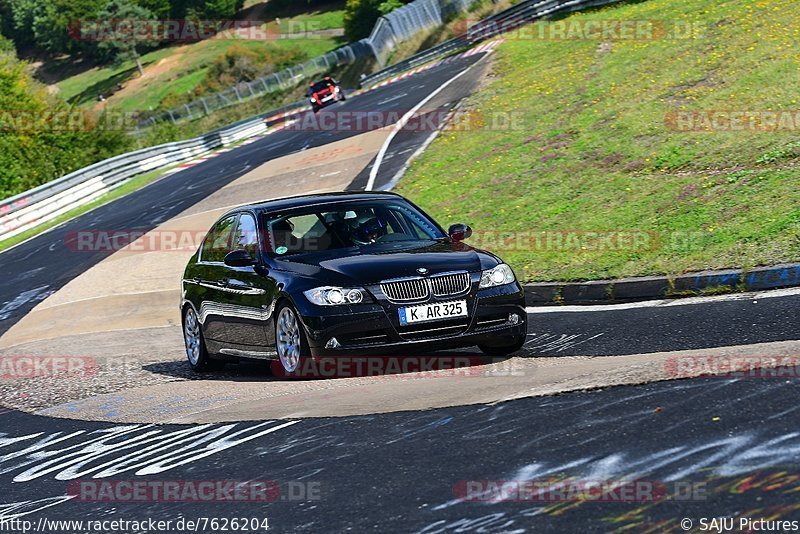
197	354
291	342
503	350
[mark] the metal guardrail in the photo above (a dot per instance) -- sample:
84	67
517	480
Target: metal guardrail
408	21
48	201
512	18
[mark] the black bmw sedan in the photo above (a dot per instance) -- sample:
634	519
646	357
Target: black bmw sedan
343	274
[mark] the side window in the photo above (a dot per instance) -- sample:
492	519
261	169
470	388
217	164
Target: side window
306	233
421	228
218	241
246	236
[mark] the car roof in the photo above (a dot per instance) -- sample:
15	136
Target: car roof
280	204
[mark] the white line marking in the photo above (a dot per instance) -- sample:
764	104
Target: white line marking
398	97
403	121
754	296
396	178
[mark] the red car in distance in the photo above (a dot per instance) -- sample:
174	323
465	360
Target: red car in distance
325	92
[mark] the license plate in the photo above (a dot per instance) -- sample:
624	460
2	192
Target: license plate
432	312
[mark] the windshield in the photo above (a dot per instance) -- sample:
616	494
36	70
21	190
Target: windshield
320	86
345	225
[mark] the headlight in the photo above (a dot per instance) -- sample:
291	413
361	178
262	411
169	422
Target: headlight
334	296
498	276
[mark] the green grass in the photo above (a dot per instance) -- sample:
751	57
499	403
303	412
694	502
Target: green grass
590	149
315	20
189	62
100	79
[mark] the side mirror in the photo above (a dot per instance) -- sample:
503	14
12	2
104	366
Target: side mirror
239	258
459	232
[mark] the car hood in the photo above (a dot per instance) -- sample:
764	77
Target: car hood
371	264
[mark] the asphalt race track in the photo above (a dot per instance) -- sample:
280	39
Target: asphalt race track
681	452
700	448
682	325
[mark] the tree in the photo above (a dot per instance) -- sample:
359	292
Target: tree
119	42
360	16
206	9
161	9
389	5
18	20
34	149
53	21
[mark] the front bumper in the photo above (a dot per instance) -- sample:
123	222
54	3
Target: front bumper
374	329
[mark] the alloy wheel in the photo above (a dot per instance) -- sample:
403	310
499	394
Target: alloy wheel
191	334
288	340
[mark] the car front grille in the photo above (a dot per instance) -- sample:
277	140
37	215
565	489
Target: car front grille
445	285
418	288
406	290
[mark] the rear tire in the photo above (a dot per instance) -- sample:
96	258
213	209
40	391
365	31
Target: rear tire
291	344
199	359
503	350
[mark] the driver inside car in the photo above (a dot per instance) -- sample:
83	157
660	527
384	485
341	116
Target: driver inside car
369	229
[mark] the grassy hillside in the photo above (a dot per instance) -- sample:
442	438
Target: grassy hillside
180	69
594	146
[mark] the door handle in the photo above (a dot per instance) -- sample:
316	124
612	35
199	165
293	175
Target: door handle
244	289
207	283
